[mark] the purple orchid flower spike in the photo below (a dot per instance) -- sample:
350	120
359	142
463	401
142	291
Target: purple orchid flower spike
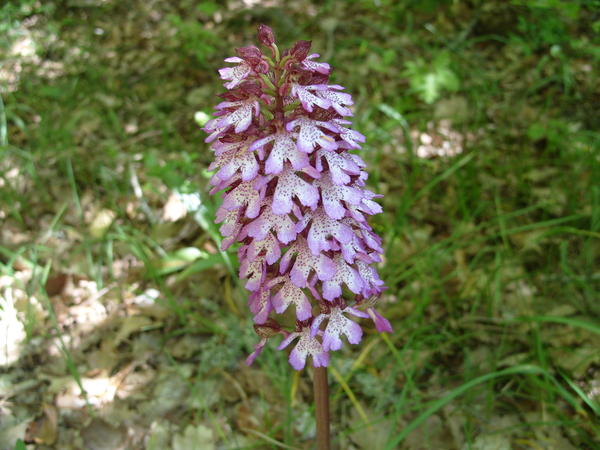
295	200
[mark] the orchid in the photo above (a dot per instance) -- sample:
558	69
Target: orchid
294	198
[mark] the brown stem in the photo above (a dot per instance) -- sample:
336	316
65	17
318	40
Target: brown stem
321	391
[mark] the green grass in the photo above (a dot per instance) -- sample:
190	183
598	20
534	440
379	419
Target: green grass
491	255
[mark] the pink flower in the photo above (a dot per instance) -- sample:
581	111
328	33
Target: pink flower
295	199
307	345
338	324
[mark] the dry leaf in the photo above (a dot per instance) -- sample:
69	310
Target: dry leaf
101	223
44	430
373	436
174	209
490	442
131	324
100	435
55	284
194	438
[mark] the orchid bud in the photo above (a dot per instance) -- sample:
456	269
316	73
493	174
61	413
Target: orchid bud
265	35
295	199
300	50
249	52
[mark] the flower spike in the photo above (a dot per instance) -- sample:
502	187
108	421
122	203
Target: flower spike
294	198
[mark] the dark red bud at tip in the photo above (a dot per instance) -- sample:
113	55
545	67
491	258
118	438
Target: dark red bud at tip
249	53
266	35
300	50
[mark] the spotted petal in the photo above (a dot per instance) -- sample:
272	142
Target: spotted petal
371	283
260	305
288	294
213	129
254	272
341	165
338	100
370	238
230	162
307	98
321	229
352	137
224	147
307	346
337	325
239	114
284	149
305	263
353	249
282	224
290	185
311	135
333	195
315	66
344	273
235	74
244	194
366	206
269	245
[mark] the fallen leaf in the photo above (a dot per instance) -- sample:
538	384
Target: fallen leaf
11	430
174	209
194	438
101	223
374	435
100	435
131	324
160	436
44	430
55	284
490	442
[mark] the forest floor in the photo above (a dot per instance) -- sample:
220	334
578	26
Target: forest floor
123	326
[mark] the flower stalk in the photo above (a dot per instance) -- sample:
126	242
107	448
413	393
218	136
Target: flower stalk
321	396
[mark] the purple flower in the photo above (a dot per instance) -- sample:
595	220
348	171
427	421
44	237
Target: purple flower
381	323
295	199
307	345
315	66
338	324
235	74
290	293
311	136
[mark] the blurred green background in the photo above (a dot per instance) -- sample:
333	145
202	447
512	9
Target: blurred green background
123	326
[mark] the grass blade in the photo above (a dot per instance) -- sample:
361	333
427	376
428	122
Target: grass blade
586	325
438	404
3	127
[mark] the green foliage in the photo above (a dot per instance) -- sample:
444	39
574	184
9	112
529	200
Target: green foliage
429	80
13	12
196	40
546	26
173	173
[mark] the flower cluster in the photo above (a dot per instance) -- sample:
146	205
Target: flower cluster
295	199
